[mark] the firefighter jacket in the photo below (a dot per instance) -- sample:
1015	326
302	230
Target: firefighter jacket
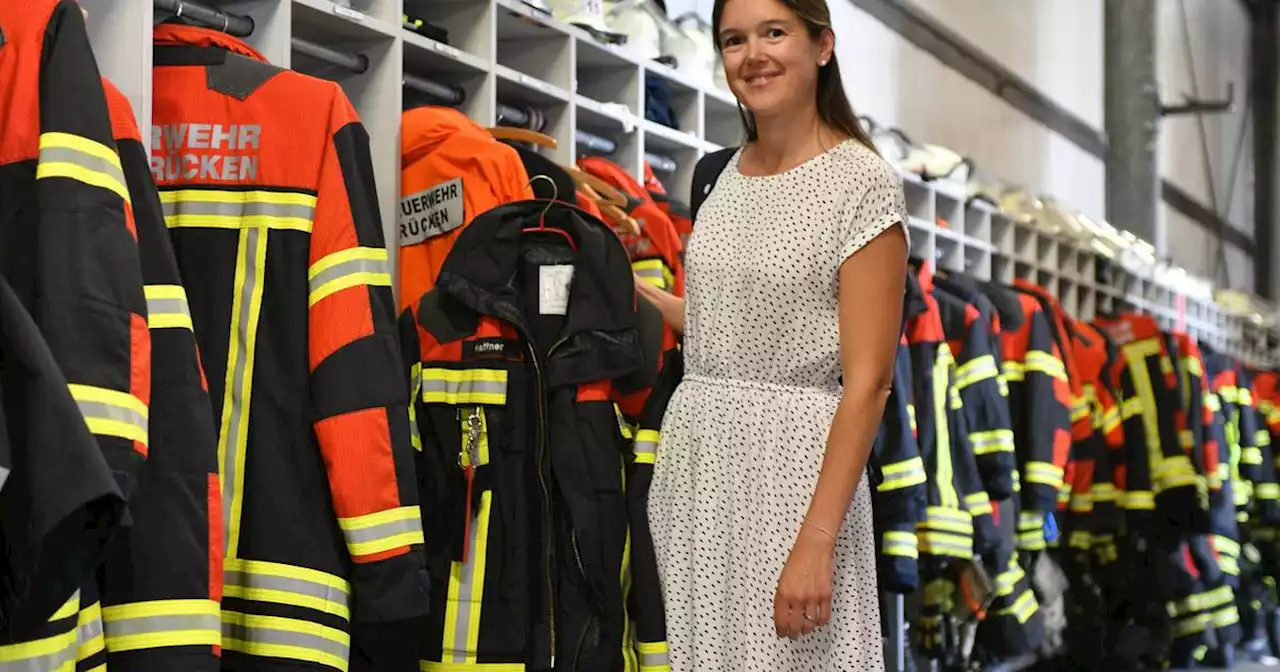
1223	398
1040	407
72	280
680	215
1238	417
1266	489
451	170
897	475
982	390
958	519
1093	518
278	239
525	464
655	253
162	582
1160	481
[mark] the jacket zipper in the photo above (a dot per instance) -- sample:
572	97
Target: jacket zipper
549	520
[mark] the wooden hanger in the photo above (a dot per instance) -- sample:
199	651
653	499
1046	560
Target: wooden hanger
625	221
608	193
522	135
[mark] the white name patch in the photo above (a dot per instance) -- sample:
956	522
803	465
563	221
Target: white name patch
431	212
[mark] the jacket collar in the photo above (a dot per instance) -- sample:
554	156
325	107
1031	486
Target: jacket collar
600	327
174	34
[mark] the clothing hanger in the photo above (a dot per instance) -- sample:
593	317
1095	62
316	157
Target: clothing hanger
612	212
609	195
523	135
542	218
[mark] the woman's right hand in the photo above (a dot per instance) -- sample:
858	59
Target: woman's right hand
671	306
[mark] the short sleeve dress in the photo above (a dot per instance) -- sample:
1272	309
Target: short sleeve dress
743	438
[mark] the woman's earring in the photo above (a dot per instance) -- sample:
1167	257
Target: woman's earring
822	64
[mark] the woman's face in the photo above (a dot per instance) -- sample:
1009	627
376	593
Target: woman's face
770	60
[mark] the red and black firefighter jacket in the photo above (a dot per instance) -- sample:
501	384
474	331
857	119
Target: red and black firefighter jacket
69	255
1039	406
958	519
526	464
162	582
679	213
656	252
897	475
268	193
1223	398
1093	517
972	329
1160	481
1266	489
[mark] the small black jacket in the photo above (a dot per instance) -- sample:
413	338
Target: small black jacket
521	352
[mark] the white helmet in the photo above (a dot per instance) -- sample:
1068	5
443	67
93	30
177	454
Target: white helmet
694	49
642	22
580	13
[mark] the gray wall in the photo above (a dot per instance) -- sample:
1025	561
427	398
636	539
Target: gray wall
1057	46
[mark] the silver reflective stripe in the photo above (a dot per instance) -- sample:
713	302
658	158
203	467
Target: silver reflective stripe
453	388
465	592
383	531
654	659
155	624
237	209
346	268
236	395
255	581
106	411
64	656
264	635
649	272
82	159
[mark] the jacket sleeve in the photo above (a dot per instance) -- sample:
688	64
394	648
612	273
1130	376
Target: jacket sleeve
645	595
986	406
163	577
898	478
358	390
89	301
968	482
1033	365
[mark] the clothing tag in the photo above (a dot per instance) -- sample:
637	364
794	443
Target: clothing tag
489	348
431	212
553	289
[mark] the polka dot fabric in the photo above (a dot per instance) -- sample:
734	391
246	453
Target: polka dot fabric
744	435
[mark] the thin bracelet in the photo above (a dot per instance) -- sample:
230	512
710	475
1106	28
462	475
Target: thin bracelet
819	528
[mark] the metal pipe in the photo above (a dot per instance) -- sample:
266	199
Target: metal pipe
514	115
231	24
1131	106
357	63
448	95
595	143
661	163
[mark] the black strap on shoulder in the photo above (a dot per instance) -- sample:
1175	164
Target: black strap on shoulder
705	175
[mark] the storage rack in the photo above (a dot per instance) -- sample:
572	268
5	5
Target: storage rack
503	53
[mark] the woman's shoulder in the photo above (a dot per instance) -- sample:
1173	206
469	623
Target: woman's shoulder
860	169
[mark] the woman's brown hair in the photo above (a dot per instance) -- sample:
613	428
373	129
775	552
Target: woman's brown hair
833	105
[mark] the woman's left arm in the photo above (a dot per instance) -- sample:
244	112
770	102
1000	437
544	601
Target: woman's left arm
871	285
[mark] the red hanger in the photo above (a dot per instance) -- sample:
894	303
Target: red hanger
542	218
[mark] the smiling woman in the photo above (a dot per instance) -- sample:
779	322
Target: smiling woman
760	509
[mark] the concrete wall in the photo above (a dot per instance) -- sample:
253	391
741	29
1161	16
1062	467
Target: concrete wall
1056	45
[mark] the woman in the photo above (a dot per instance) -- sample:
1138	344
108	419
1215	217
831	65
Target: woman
759	508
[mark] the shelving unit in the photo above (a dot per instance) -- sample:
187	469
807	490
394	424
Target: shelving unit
504	55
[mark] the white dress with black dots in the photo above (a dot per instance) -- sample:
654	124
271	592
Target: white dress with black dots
744	435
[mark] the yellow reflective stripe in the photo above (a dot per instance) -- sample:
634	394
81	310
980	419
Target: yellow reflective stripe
904	474
358	266
1251	455
1192	366
288	638
1045	363
992	441
382	531
162	623
1080	539
1111	419
1266	491
110	412
1245	397
466	592
1261	438
89	639
277	583
1104	492
623	427
432	666
254	209
1138	500
1131	407
943	366
947	518
464	386
83	160
932	542
1013	371
911	416
901	544
646	446
415	383
1212	402
1210	599
1229	394
1044	473
167	307
68	609
1022	608
233	435
652	271
654	656
975	371
977	503
1172	469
